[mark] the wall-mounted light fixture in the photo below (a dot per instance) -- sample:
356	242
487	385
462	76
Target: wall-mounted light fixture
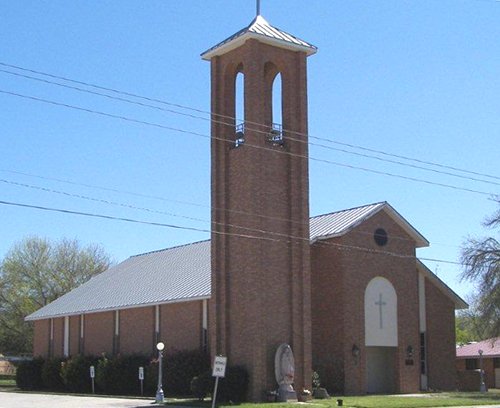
409	352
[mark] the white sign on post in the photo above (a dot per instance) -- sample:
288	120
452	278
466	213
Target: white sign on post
219	367
219	371
92	376
141	373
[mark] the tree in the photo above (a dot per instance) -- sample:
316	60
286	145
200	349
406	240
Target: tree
35	272
481	261
469	324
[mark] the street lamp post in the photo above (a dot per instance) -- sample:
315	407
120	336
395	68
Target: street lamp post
160	398
482	386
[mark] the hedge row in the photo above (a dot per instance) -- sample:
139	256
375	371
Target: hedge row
116	375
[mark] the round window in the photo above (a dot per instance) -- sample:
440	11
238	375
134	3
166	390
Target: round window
380	236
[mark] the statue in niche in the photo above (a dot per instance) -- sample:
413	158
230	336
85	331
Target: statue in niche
284	368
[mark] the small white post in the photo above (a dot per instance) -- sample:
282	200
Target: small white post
215	391
92	376
141	379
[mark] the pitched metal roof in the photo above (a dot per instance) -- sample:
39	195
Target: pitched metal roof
183	273
490	348
169	275
261	30
338	223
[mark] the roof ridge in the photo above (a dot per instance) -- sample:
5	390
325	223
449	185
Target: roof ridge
349	209
169	248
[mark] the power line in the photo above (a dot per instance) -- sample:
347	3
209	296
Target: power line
157	125
114	203
233	118
149	210
147	105
291	240
80	196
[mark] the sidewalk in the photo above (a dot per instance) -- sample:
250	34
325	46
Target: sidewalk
30	400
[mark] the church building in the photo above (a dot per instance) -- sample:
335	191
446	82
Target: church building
345	289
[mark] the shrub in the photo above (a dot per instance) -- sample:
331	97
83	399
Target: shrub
202	385
29	374
51	374
119	375
180	367
151	377
75	373
234	386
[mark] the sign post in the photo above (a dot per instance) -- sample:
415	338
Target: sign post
92	376
141	379
219	371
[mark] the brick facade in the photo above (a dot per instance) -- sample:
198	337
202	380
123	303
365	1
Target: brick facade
340	275
269	284
259	191
41	338
137	330
180	329
58	340
99	333
181	325
441	349
74	335
469	379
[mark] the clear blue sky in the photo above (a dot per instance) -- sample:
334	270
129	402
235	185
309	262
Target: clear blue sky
418	78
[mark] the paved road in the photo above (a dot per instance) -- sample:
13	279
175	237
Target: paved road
30	400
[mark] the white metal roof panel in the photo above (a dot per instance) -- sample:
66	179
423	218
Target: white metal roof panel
260	29
170	275
338	223
183	273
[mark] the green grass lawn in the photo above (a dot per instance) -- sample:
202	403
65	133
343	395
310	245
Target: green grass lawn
379	401
7	381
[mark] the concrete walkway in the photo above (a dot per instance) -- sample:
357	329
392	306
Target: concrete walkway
30	400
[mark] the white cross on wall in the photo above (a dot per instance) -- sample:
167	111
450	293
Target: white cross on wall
380	303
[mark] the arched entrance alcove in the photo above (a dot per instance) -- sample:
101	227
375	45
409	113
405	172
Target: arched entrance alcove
381	335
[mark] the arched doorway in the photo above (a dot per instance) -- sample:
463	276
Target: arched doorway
381	335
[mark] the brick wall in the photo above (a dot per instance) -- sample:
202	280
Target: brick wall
327	283
137	330
489	372
441	349
74	335
58	341
181	325
41	337
340	276
465	382
468	380
269	192
99	333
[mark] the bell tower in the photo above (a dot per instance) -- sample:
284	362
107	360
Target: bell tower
260	204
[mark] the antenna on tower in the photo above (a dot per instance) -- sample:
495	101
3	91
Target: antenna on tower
258	7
